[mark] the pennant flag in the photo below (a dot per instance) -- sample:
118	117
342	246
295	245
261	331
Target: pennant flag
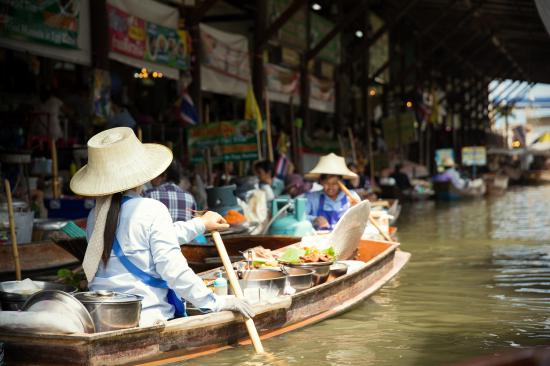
281	166
188	113
251	109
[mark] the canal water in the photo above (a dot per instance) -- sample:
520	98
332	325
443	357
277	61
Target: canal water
478	283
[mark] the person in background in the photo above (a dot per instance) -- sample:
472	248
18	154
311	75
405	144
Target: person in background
354	183
48	112
272	185
120	117
451	174
295	185
324	208
132	241
401	179
166	189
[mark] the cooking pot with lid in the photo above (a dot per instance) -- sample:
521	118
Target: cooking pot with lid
112	310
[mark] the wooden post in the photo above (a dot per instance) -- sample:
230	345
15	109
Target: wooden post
234	282
55	170
13	234
365	62
209	175
352	145
269	138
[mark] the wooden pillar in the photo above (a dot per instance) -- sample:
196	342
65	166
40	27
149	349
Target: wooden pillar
304	92
195	87
258	58
365	62
100	39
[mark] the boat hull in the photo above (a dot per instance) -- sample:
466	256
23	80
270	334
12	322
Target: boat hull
195	336
446	191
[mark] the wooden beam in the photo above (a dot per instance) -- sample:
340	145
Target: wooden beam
368	41
238	17
280	21
344	21
200	11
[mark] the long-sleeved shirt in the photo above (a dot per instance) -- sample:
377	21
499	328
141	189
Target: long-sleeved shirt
312	204
451	175
149	239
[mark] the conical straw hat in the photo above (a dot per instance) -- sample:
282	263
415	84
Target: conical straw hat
331	164
448	162
118	161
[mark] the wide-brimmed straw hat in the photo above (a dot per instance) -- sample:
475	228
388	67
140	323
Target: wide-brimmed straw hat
448	162
331	164
118	161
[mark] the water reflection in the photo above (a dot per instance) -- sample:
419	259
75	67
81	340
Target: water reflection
478	282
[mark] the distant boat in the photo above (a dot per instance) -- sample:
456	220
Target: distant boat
446	191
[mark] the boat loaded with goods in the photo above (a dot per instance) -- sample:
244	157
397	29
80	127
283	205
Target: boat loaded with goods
290	282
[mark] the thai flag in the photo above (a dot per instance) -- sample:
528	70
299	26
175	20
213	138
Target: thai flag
281	166
187	109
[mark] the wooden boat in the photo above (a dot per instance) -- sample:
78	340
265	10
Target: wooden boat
496	184
446	191
533	356
536	177
185	338
39	258
412	194
392	206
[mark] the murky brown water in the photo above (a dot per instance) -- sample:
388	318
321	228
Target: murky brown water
478	283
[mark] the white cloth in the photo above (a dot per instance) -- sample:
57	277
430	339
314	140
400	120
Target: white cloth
149	239
95	239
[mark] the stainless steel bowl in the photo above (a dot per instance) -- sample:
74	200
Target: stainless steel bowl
321	270
262	284
59	302
112	310
13	296
298	278
338	269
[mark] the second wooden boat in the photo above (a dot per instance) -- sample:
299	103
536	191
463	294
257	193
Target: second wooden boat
446	191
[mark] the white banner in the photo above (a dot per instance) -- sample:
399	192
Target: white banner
225	62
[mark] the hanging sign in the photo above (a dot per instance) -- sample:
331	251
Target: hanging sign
228	141
135	37
50	22
443	154
474	156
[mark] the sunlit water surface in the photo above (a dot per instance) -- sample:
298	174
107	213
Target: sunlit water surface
478	283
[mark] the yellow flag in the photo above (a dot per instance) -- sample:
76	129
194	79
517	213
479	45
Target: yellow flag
251	109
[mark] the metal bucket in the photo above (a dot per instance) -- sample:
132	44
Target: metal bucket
13	298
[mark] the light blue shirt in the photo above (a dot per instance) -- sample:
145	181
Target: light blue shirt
312	204
277	186
149	239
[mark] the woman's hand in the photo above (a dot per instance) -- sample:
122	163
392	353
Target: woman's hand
321	222
213	221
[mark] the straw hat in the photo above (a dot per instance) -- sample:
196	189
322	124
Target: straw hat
331	164
448	162
118	161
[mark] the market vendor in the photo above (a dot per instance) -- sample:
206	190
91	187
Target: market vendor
325	207
132	240
450	174
273	186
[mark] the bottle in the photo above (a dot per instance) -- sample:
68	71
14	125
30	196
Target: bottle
220	285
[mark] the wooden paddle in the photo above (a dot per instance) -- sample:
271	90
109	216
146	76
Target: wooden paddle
55	171
234	281
13	235
354	201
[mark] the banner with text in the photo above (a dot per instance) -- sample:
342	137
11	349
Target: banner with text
227	140
140	39
50	22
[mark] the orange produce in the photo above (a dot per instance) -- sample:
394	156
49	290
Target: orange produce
234	217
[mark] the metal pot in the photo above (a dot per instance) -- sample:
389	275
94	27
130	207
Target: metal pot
298	278
321	270
13	296
112	310
338	269
261	284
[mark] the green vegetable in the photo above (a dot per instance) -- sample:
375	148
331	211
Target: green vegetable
292	255
330	252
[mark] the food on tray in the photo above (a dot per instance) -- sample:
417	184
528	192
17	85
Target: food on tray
308	255
234	217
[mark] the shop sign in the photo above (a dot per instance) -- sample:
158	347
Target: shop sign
143	40
50	22
474	156
227	141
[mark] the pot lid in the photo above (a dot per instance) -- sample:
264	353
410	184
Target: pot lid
106	297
